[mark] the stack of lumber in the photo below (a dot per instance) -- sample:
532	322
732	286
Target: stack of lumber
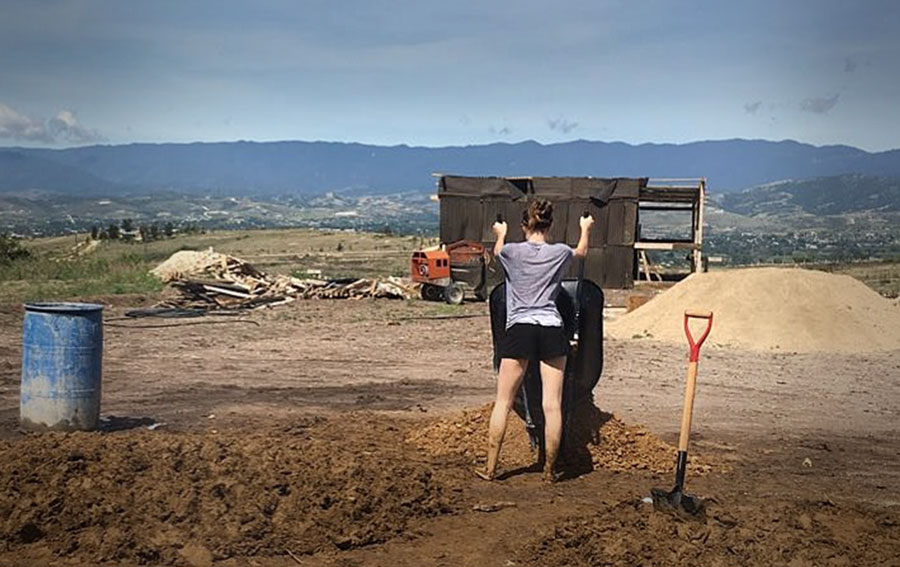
218	281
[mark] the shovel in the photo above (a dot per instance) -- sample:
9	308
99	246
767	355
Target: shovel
676	500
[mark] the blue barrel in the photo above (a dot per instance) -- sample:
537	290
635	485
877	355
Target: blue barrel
62	353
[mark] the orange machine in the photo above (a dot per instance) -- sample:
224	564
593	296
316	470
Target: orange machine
449	271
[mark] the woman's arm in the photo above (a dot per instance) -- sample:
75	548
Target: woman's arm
585	223
499	229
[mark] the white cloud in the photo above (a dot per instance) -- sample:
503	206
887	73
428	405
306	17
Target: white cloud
64	127
819	105
16	126
562	125
67	117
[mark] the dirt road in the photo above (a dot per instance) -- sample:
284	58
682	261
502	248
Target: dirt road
288	431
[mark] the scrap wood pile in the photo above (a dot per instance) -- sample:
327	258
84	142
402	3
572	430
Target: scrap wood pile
218	281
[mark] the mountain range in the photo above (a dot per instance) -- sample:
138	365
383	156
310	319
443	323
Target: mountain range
822	196
267	169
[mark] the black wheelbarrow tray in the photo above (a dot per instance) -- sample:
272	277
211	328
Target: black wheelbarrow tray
583	323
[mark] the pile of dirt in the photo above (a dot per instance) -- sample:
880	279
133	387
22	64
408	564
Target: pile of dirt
164	498
772	308
598	440
797	534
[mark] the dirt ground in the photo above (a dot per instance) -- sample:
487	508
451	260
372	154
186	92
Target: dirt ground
344	433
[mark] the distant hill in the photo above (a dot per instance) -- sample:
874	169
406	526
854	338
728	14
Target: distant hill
308	168
821	196
24	172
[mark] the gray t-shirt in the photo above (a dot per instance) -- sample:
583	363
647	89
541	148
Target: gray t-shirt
533	272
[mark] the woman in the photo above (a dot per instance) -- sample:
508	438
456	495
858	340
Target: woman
534	327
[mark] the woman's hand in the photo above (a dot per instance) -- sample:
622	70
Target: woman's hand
586	222
499	229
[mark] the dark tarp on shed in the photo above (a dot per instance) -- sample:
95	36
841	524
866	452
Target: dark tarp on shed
469	207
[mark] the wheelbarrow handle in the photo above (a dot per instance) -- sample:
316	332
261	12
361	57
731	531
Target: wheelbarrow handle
695	345
578	281
585	214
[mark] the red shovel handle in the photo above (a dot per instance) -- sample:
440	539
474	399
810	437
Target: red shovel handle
695	346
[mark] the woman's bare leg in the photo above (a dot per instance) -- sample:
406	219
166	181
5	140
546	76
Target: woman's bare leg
508	380
552	388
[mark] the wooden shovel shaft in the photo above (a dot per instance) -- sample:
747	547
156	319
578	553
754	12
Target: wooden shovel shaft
689	390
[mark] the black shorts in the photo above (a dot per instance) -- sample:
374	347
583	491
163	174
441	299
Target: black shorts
524	340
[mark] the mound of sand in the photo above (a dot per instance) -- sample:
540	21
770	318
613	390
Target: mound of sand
600	440
771	308
188	262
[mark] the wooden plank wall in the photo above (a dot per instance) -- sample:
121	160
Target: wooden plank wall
469	206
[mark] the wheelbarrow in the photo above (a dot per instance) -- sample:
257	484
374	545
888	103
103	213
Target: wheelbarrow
580	305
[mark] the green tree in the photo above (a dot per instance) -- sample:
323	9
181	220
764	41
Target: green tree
11	249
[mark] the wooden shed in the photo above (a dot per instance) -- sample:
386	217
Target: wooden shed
469	206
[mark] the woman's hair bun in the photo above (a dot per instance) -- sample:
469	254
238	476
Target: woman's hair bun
538	216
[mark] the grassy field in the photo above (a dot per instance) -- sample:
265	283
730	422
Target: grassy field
55	270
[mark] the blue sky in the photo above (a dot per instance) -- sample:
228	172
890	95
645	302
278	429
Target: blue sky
449	73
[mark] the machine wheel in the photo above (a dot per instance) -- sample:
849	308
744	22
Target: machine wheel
453	294
431	292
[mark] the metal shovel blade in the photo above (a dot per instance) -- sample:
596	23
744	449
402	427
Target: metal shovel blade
679	502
